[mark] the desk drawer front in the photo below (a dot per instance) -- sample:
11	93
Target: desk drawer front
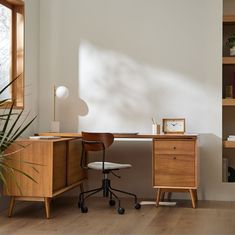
174	171
174	147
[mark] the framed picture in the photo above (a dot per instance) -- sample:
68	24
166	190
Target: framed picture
173	125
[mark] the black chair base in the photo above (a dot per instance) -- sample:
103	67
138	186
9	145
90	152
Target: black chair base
108	191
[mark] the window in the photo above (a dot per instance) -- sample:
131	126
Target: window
12	50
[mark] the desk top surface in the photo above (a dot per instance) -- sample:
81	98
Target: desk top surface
126	135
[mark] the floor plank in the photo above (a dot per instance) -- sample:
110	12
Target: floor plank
209	218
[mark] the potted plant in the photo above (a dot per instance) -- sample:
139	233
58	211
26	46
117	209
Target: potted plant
231	44
11	127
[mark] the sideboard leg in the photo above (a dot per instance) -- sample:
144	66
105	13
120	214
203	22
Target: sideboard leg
158	196
11	206
47	207
193	197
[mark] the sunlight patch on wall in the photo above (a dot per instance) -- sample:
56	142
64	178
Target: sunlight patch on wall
122	95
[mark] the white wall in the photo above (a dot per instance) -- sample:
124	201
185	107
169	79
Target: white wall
176	45
32	61
31	68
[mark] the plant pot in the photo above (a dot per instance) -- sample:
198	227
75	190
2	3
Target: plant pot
232	51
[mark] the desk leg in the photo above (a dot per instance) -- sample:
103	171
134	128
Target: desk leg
11	206
158	196
193	196
47	206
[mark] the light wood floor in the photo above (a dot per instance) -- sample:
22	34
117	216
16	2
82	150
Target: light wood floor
209	218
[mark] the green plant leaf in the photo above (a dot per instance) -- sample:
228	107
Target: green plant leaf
11	170
11	128
3	179
21	172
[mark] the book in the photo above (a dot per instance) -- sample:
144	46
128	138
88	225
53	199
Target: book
36	137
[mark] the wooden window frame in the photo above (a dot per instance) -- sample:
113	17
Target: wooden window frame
17	88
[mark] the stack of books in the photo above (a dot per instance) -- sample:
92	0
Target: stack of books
231	138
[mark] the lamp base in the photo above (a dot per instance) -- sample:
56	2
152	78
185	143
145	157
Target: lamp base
55	126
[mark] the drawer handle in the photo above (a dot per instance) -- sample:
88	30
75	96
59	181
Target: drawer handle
174	147
174	158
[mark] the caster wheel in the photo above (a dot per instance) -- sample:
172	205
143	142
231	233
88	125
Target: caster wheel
84	209
112	202
121	211
137	206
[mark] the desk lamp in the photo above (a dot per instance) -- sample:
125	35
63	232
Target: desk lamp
61	92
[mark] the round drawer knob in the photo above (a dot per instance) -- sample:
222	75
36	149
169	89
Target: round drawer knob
174	147
174	158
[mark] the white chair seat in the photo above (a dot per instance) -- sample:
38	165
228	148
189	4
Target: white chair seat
107	166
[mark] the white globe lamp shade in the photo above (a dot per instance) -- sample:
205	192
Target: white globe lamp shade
62	92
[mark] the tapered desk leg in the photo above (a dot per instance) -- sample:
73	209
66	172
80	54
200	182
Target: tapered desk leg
47	207
158	196
193	197
11	206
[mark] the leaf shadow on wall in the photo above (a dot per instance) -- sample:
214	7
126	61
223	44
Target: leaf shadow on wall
123	95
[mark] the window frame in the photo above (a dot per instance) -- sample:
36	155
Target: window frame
17	87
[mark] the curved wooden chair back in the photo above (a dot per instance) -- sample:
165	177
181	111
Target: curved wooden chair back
96	141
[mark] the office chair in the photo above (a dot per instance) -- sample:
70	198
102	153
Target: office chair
92	142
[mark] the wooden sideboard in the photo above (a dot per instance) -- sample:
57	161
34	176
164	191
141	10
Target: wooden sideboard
175	166
57	164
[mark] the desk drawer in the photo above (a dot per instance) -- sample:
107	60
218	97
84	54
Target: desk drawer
174	170
184	147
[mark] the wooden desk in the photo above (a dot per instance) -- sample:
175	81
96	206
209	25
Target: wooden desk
57	162
175	165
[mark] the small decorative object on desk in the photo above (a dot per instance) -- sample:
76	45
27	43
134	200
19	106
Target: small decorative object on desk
155	127
173	125
55	126
62	93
